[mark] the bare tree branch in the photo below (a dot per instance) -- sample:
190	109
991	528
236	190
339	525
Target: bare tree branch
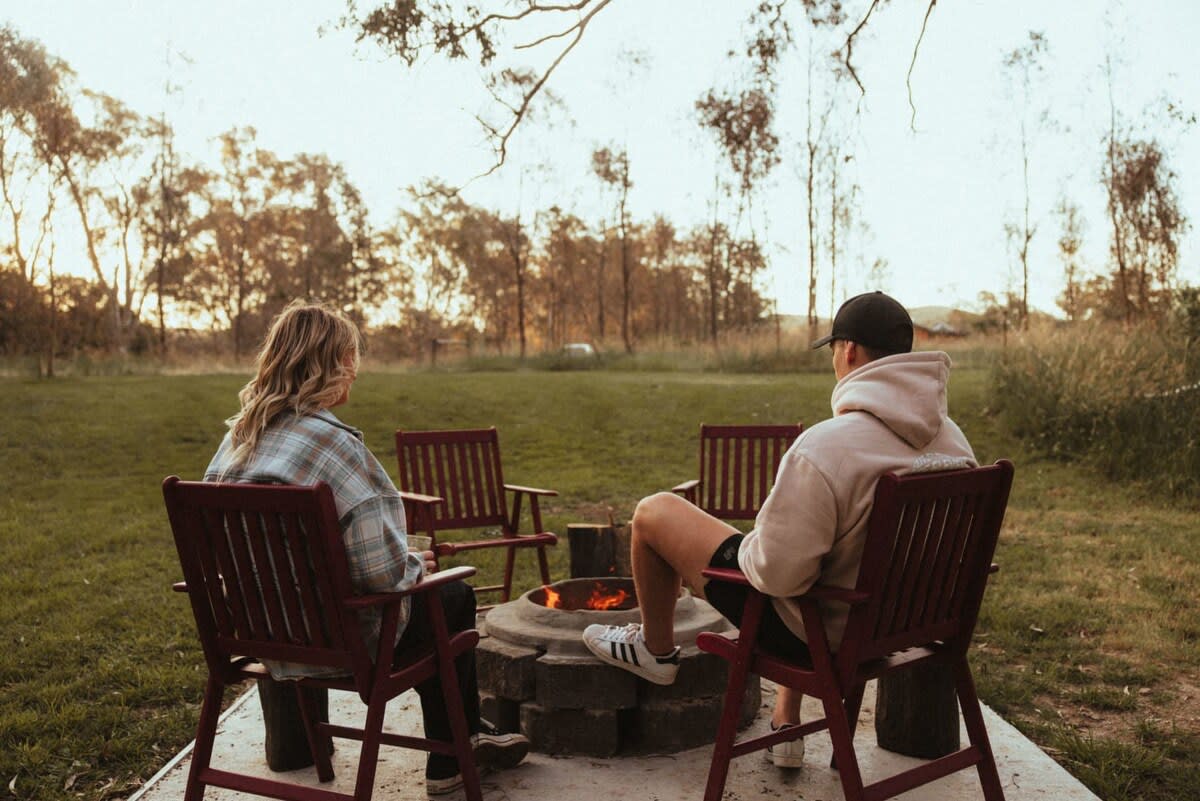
850	46
912	122
579	27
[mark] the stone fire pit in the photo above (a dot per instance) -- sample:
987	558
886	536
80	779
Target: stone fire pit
535	675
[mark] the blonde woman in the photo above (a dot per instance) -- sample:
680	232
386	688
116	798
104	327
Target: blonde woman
285	433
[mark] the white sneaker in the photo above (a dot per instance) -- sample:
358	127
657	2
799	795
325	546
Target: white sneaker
789	754
624	647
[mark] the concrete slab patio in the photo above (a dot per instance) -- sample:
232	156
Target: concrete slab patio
1026	772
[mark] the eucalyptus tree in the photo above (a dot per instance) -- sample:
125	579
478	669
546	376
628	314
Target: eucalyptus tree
611	166
1024	65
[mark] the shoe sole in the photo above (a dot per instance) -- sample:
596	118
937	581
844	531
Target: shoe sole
501	754
434	786
637	670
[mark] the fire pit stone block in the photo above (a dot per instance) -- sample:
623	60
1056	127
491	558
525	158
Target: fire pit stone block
700	675
506	669
676	725
587	732
503	713
571	682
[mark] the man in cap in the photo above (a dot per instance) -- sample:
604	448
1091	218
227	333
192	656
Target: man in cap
889	415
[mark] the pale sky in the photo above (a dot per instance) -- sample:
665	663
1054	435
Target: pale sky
935	199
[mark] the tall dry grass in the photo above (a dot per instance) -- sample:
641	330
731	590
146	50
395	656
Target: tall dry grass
1124	399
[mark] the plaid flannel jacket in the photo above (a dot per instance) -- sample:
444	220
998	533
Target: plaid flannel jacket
305	449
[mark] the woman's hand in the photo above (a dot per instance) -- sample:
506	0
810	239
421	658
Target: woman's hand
430	561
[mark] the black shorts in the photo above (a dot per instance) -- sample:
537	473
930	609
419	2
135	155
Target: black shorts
730	599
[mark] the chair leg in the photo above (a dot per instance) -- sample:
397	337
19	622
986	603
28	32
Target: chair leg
206	732
460	735
319	744
989	777
368	757
853	708
452	698
842	738
718	771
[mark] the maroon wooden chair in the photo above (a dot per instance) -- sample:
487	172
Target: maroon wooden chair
452	480
925	564
266	573
737	468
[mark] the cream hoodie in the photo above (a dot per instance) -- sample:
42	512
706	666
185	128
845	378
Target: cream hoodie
889	416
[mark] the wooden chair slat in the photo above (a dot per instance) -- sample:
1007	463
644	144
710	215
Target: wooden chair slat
226	542
918	551
305	570
270	580
935	545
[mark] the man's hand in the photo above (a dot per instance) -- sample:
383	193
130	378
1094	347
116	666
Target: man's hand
430	561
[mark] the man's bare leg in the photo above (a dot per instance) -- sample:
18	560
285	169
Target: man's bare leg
787	707
672	542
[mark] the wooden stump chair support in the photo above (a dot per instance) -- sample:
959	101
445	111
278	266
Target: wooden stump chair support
737	468
454	480
927	556
266	573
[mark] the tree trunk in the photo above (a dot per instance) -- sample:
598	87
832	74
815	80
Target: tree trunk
599	549
286	742
916	712
53	344
89	237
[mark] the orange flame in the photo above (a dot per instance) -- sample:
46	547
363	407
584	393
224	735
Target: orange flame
599	599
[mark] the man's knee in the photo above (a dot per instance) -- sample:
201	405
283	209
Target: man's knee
652	511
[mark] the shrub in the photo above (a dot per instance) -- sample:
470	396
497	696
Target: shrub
1120	398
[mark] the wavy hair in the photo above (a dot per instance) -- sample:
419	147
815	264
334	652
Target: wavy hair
302	368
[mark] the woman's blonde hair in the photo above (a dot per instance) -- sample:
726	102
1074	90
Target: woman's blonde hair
302	368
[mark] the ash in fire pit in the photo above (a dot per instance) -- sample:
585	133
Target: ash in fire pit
536	674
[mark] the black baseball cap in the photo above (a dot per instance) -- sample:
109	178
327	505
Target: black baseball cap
875	320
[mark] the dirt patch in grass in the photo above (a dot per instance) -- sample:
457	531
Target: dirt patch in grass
1175	707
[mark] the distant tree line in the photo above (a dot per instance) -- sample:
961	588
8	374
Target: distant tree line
174	244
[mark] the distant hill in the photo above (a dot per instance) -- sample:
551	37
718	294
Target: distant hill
922	315
931	315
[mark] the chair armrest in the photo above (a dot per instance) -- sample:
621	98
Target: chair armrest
519	541
686	487
729	574
428	582
530	490
179	586
815	593
417	497
823	593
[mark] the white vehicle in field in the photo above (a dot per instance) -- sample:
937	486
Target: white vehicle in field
580	350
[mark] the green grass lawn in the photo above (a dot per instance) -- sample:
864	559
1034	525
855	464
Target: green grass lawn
1090	640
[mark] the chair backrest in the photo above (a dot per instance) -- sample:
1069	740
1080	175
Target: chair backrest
463	468
266	573
738	466
926	559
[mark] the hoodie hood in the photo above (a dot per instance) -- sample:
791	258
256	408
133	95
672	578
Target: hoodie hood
906	392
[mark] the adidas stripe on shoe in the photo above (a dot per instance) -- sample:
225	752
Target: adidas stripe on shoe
624	647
